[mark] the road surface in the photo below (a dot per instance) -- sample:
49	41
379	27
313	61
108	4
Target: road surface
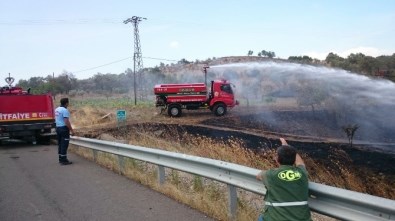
33	186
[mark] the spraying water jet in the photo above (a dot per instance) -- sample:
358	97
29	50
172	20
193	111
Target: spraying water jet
333	96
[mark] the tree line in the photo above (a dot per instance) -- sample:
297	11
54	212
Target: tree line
104	84
263	53
108	83
382	66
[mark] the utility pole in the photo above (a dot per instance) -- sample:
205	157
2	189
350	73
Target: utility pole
53	86
205	73
137	57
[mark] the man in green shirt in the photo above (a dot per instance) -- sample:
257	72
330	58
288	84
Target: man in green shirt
287	187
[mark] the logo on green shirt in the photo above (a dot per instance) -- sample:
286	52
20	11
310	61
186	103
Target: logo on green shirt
289	175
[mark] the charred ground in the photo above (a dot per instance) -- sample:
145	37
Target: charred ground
365	167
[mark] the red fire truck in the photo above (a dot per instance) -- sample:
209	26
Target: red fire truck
24	115
176	97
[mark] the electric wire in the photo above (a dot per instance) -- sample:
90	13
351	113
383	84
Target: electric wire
120	60
160	59
84	21
60	21
113	62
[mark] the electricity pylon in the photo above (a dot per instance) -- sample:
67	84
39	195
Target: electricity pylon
139	83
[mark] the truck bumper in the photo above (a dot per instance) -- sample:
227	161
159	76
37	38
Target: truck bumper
22	130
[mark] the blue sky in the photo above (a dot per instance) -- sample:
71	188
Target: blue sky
38	38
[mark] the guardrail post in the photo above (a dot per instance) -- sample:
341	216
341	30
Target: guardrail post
94	155
161	175
232	202
121	164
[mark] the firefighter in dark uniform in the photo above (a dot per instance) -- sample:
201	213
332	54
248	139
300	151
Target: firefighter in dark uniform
287	187
63	130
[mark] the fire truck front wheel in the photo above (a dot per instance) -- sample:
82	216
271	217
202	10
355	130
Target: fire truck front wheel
174	110
219	109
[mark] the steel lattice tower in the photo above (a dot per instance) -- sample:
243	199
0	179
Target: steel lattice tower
139	83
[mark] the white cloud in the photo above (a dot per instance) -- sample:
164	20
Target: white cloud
370	51
174	44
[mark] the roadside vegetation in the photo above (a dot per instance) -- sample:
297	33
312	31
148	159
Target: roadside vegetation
202	194
96	118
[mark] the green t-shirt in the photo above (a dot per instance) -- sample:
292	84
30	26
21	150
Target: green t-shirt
287	192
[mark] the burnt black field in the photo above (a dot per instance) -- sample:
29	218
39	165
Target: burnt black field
319	140
365	156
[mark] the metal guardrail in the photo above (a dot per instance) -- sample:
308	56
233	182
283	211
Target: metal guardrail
334	202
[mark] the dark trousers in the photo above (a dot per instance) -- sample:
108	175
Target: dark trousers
63	136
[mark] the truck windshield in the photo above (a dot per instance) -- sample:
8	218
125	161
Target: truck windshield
226	88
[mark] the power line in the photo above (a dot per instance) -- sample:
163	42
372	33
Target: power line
88	69
81	21
113	62
117	61
160	59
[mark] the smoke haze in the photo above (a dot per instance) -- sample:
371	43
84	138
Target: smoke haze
345	98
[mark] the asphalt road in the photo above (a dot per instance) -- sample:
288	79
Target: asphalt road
33	186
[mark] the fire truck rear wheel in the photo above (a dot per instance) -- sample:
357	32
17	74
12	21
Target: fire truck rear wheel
219	109
174	110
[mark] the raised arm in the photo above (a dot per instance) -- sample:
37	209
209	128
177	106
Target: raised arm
283	141
299	161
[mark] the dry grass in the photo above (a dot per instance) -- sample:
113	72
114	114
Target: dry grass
88	116
209	196
212	199
202	194
343	174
